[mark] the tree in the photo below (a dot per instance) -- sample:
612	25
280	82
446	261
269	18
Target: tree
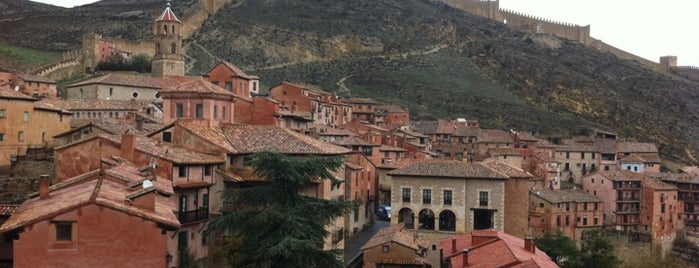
279	227
560	248
598	251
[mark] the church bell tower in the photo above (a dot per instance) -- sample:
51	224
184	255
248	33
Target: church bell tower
168	58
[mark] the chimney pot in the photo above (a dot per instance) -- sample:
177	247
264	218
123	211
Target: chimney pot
128	146
530	244
44	184
453	244
465	257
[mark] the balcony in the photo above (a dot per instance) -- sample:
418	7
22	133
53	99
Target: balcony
191	216
628	211
689	222
628	199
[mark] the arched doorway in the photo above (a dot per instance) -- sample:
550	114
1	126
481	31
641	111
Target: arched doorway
406	215
426	218
447	221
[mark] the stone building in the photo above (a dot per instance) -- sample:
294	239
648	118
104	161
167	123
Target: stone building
620	191
395	246
660	209
571	211
516	196
448	196
233	79
168	58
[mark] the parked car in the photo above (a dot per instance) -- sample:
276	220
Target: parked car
384	212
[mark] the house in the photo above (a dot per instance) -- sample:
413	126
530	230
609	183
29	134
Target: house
579	158
390	116
110	110
83	130
70	222
116	86
516	197
687	183
196	98
491	248
326	133
31	85
620	191
571	211
325	108
233	79
660	209
363	109
395	246
27	124
451	196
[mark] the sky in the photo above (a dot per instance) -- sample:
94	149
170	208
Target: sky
649	29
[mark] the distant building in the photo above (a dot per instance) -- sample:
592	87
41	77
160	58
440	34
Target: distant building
620	191
32	85
396	246
571	211
233	79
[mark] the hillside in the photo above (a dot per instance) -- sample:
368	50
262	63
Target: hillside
421	54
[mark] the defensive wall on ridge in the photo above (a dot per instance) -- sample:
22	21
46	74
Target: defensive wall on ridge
536	25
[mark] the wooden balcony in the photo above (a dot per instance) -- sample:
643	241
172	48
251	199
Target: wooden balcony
192	216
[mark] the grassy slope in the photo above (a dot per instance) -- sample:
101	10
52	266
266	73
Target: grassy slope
14	57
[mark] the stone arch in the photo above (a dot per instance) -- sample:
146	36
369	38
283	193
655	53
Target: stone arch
426	219
447	220
406	215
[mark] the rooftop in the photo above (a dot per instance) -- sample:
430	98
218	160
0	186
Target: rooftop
448	169
117	79
621	175
99	105
35	78
168	15
506	169
565	196
396	234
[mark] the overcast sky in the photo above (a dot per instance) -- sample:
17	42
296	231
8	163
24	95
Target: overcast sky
649	29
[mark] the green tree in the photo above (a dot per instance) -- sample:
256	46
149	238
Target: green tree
141	63
560	248
598	251
280	227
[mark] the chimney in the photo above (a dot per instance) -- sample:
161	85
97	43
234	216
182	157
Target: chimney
453	244
128	145
464	257
144	199
530	244
139	124
44	184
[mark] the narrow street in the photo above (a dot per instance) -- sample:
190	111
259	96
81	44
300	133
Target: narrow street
353	245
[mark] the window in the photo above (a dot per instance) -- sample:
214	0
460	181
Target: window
64	231
26	117
20	136
567	206
558	220
567	155
2	113
134	94
567	167
199	111
173	48
585	221
584	206
582	155
167	136
593	155
207	170
427	196
111	91
182	171
356	214
483	199
662	208
567	220
229	85
2	136
223	115
164	29
406	195
182	240
205	200
447	197
179	110
215	111
596	221
606	167
384	249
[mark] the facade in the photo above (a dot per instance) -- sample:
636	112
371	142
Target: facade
578	160
32	85
324	107
516	197
363	109
448	196
27	123
390	117
395	246
620	191
233	79
69	223
196	98
660	209
571	211
114	86
687	184
491	248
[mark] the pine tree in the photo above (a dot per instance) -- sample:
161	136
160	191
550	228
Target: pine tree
279	227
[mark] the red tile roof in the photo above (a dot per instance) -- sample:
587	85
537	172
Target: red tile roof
387	148
506	169
495	136
247	139
170	152
35	78
90	188
635	147
567	195
658	184
396	234
197	85
7	209
361	101
237	71
130	80
97	105
492	249
352	140
168	15
448	169
14	95
621	175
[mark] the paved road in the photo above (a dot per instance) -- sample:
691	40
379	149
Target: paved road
354	244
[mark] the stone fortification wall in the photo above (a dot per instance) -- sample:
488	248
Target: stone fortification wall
689	72
531	24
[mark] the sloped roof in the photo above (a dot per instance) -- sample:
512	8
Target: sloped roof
170	152
35	78
7	210
621	175
361	101
237	71
97	105
197	85
567	195
634	158
168	15
495	136
506	169
448	169
464	131
635	147
14	95
658	184
129	80
246	139
498	249
89	188
353	140
425	127
396	234
388	148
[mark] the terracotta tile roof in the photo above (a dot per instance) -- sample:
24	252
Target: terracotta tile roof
388	109
361	101
396	234
387	148
634	158
97	105
14	95
170	152
109	126
48	106
196	85
323	130
89	188
497	249
130	80
658	184
304	116
7	209
399	164
573	146
412	133
247	139
168	15
464	131
425	127
567	195
495	136
650	158
526	136
445	127
237	71
635	147
448	169
605	146
621	175
35	78
506	169
286	84
352	140
214	135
